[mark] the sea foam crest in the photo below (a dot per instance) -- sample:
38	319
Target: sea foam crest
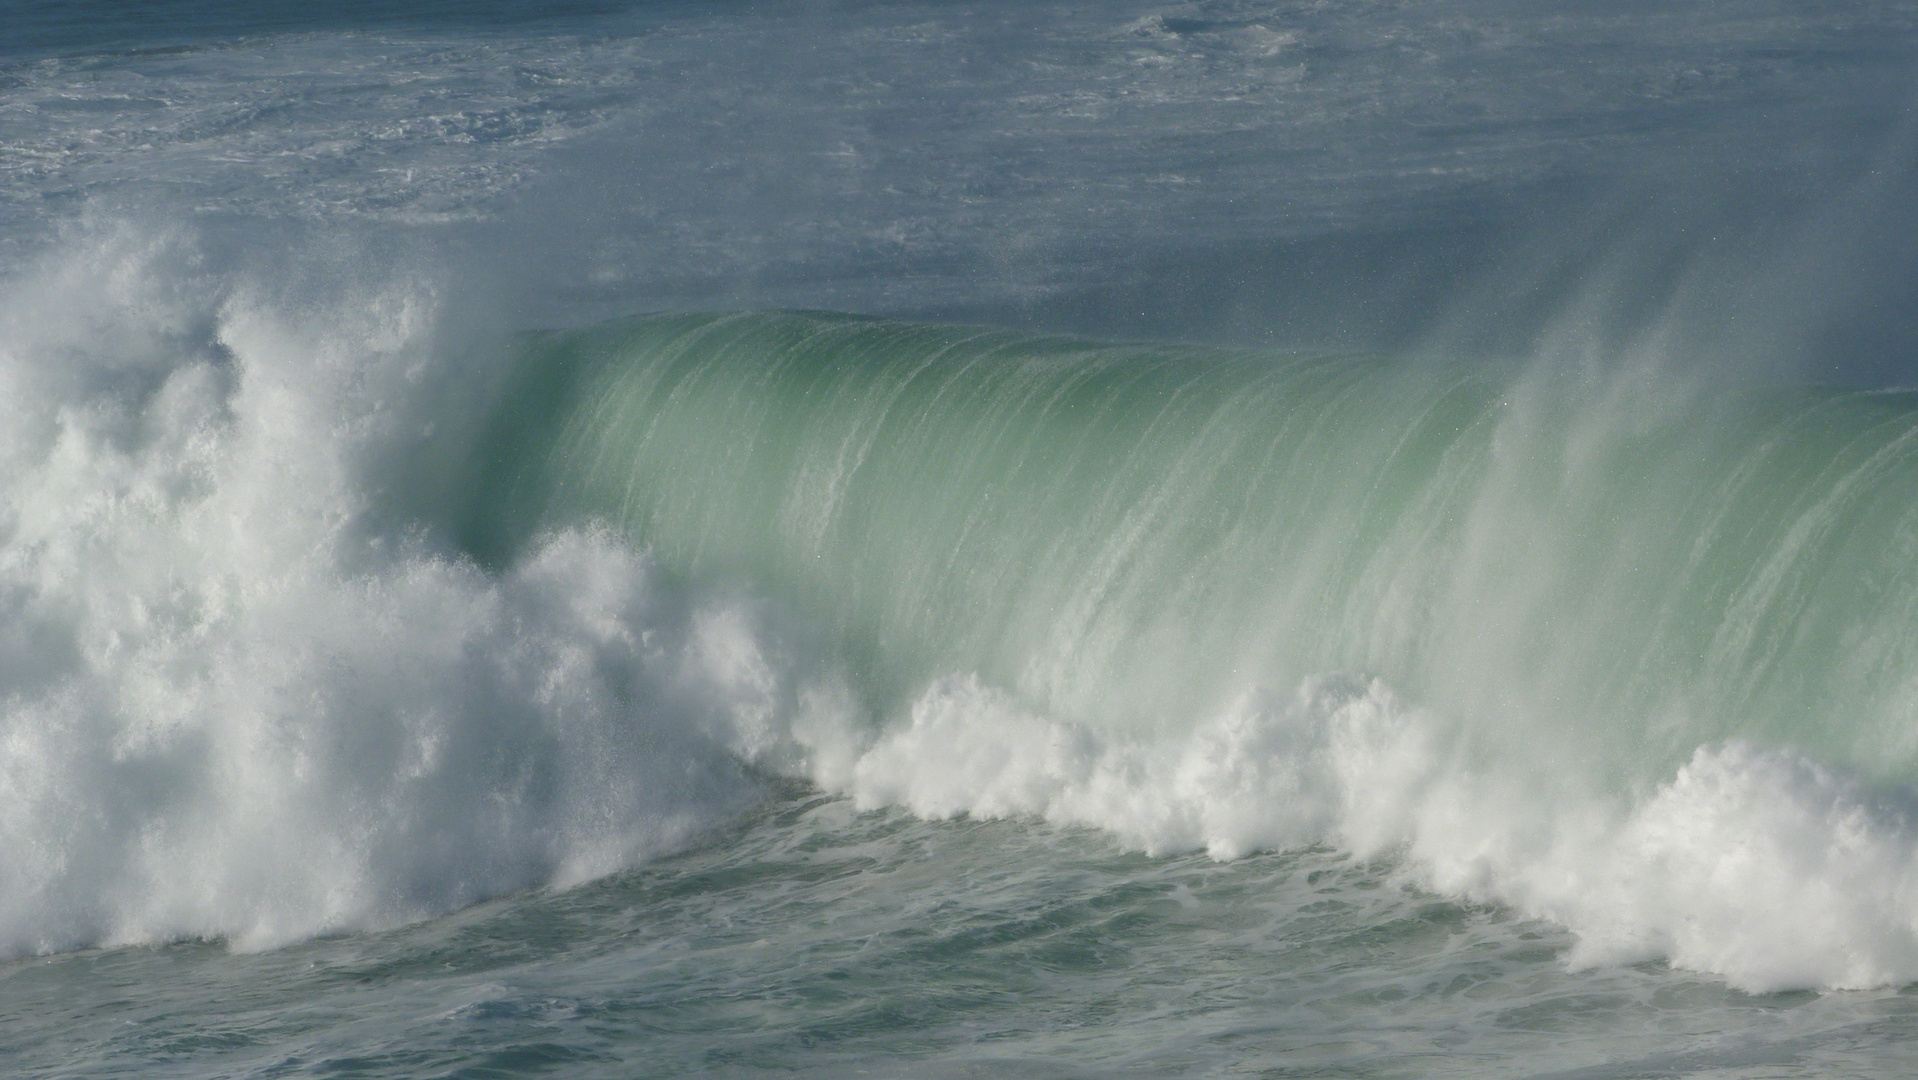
238	705
1759	865
1755	864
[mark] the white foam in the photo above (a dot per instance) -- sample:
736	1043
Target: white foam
1757	865
1761	866
239	705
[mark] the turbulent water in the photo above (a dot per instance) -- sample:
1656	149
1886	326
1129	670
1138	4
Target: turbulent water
1232	538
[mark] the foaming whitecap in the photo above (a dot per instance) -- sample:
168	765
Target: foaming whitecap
1760	866
237	704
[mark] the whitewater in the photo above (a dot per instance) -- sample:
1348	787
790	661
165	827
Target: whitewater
958	539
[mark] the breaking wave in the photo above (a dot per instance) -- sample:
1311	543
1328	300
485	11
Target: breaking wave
318	615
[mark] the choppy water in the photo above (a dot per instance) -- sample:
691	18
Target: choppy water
814	939
617	540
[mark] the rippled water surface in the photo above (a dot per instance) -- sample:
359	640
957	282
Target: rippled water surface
819	940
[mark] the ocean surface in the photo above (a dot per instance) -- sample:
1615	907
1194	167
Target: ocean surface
959	539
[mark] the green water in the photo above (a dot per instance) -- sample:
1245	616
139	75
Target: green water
1619	566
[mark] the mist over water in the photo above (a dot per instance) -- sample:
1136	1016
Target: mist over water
1445	465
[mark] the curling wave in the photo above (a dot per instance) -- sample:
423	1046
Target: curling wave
1626	651
313	621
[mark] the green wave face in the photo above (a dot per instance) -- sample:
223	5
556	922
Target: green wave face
1614	569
